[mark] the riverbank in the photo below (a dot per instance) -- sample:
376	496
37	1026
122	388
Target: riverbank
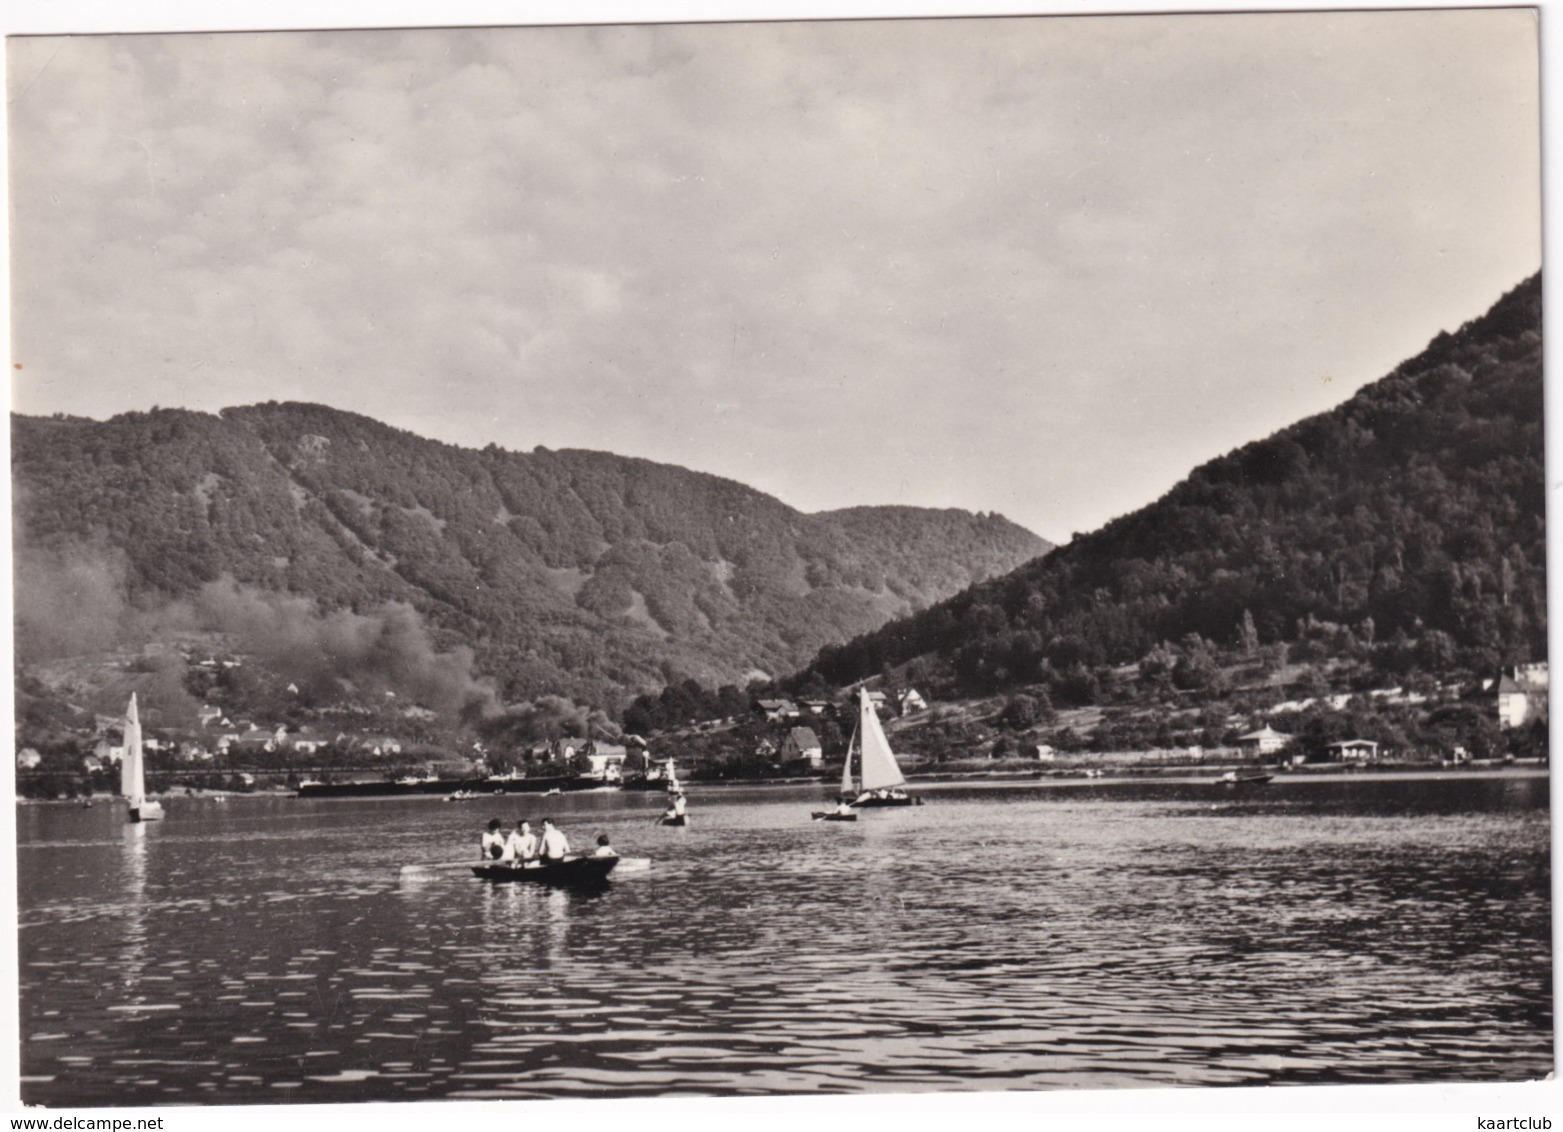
1211	772
1520	768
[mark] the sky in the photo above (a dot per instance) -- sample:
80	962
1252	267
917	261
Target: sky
1038	266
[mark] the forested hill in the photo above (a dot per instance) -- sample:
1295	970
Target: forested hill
1409	519
570	572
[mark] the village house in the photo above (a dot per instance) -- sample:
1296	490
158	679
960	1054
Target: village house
802	743
911	701
607	761
1522	694
1534	675
1265	741
256	739
776	711
1513	703
1354	750
306	741
27	759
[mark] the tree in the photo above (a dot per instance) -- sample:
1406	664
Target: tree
1247	635
1019	713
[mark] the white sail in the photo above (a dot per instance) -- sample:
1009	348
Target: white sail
132	776
879	769
847	786
132	771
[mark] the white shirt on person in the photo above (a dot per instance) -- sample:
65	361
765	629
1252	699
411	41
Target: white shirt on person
493	845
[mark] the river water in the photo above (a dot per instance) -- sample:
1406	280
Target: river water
1039	936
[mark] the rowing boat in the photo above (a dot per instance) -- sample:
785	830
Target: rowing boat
569	872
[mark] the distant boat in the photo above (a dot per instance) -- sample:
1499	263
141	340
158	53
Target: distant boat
833	815
1246	778
879	781
132	770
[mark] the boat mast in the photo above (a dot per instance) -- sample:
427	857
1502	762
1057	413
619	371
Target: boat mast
846	769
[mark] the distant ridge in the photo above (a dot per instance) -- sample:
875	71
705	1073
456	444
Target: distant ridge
1413	514
569	572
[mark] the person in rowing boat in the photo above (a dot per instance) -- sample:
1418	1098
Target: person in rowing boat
675	811
555	843
492	847
521	847
603	848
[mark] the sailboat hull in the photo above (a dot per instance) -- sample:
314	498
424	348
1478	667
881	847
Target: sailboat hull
147	811
831	815
871	801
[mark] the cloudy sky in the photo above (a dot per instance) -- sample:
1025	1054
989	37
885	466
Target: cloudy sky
1038	266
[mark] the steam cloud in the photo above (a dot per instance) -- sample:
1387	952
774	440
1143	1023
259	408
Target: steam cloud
76	601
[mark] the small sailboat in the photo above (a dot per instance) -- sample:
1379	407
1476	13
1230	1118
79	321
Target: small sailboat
132	770
879	781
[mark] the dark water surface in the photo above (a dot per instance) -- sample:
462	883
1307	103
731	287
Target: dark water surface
1086	936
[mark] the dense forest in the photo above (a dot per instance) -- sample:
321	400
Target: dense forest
1403	531
570	573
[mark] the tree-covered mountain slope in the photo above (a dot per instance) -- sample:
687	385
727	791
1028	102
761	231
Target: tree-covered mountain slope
568	572
1409	520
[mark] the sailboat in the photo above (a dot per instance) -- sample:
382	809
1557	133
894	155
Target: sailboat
132	771
880	780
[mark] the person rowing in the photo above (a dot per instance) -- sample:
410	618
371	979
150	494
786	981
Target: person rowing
492	846
674	814
555	844
521	847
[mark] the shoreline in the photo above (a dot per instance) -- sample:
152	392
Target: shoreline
1205	776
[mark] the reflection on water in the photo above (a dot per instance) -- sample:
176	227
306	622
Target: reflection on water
1022	937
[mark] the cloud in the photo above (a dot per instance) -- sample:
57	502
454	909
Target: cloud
800	254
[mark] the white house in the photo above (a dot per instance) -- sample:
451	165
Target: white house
1522	694
1513	703
802	743
607	761
1354	750
1265	741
